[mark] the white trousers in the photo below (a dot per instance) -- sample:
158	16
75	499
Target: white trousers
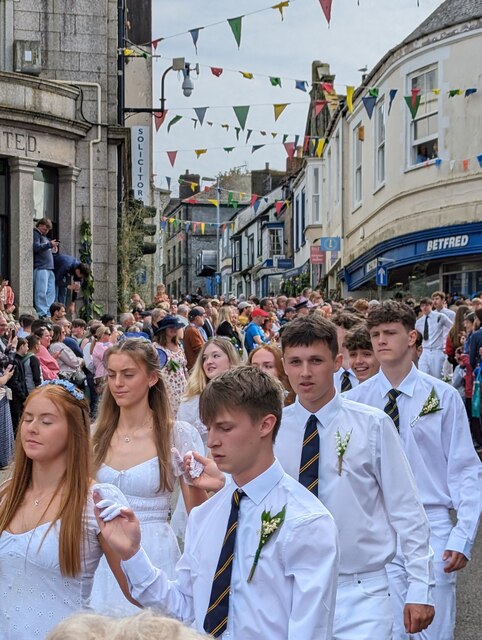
363	610
443	625
432	362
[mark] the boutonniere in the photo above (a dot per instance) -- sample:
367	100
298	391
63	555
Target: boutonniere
236	345
431	405
172	365
269	525
341	447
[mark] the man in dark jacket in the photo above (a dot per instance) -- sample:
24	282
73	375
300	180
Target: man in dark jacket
69	273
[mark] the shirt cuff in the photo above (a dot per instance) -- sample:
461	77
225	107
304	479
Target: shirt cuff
457	543
420	593
139	569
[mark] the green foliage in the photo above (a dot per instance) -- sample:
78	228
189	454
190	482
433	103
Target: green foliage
89	309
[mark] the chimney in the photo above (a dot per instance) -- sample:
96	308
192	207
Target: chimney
185	190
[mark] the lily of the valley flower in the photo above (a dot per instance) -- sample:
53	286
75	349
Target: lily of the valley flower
269	525
173	366
431	405
341	447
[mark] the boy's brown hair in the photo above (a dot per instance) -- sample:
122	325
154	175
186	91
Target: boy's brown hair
305	330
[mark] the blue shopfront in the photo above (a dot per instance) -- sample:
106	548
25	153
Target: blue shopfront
447	258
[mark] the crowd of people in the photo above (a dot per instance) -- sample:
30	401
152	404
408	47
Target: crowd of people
281	467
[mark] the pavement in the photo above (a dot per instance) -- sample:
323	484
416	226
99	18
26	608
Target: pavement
469	592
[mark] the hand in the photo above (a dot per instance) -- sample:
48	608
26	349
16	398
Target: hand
71	309
123	533
417	617
7	374
211	478
55	354
455	561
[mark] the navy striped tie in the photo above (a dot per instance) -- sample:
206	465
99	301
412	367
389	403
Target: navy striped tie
346	384
391	408
310	455
216	619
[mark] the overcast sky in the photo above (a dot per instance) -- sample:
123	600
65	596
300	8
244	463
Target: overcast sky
358	36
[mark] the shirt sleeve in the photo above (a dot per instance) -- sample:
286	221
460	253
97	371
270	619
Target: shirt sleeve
310	556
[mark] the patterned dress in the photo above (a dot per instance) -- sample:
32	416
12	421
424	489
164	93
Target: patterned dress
174	374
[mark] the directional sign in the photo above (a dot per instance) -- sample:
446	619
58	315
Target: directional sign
382	276
330	243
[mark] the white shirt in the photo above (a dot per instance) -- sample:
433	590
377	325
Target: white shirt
438	327
337	378
439	448
292	593
375	496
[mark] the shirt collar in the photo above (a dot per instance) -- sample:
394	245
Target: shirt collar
407	386
324	415
258	488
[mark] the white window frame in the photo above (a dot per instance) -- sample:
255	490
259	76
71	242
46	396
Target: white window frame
336	168
275	241
424	147
315	199
380	137
328	185
357	166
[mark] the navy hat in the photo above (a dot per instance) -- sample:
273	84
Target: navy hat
300	305
168	322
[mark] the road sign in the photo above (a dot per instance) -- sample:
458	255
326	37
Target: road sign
382	276
330	243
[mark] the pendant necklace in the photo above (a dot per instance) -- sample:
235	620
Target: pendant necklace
129	437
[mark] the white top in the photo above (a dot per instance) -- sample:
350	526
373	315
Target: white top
189	412
438	327
337	378
292	593
439	448
35	596
375	496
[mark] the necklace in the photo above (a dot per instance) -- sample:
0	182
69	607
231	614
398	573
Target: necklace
128	437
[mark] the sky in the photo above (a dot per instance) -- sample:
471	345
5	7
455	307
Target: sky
358	35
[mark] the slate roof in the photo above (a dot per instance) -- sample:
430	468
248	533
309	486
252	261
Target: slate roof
448	14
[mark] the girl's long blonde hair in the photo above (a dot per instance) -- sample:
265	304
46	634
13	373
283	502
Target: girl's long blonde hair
198	380
290	395
74	484
144	354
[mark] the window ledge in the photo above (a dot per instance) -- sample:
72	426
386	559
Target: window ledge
420	165
356	207
379	188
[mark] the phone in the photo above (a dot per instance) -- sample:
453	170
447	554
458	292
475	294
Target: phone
13	333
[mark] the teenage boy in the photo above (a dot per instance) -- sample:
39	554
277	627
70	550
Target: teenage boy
360	354
350	457
285	593
434	327
435	435
345	378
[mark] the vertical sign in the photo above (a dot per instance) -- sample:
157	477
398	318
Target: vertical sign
140	163
317	256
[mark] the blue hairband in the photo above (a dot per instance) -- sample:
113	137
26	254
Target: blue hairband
68	386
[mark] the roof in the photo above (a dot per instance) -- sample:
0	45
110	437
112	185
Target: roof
448	14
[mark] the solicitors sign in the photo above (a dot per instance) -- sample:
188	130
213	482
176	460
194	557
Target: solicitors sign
140	137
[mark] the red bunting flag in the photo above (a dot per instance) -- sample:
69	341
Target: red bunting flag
415	93
326	6
172	157
278	206
290	149
190	201
159	117
216	71
306	142
465	165
254	197
319	105
155	43
327	87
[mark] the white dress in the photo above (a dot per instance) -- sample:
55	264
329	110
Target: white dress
34	596
189	412
140	486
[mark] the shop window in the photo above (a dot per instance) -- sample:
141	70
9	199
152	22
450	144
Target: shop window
424	127
4	220
237	256
380	144
45	193
358	136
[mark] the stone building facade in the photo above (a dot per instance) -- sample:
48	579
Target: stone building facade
61	148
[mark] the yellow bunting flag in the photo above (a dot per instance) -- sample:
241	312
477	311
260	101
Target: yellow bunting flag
128	52
247	75
203	226
280	6
193	186
349	98
171	220
319	147
199	152
436	91
214	202
278	110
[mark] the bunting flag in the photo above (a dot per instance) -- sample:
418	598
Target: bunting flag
203	227
319	106
195	35
327	87
290	149
391	98
199	152
415	94
155	43
278	110
280	6
469	92
159	117
238	130
228	149
465	165
369	104
214	202
250	131
285	137
254	197
455	92
247	74
256	205
200	113
373	92
349	98
235	24
276	82
188	201
436	91
306	143
241	115
326	6
273	134
278	205
297	137
438	162
216	71
173	122
301	85
256	147
172	157
194	186
225	126
319	147
479	159
413	106
168	181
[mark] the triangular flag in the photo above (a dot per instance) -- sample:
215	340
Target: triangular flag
479	159
454	92
469	92
254	197
285	137
415	93
230	197
319	147
214	202
163	225
326	6
235	24
296	141
159	117
278	110
247	74
278	206
199	152
280	6
200	112
327	87
436	91
188	201
274	134
413	107
250	131
172	157
194	122
237	129
465	165
391	98
228	149
209	123
216	71
155	43
263	133
195	35
128	52
276	82
193	186
203	227
168	180
369	104
349	98
225	126
319	104
438	162
373	92
256	205
173	121
290	149
451	165
256	147
301	85
306	142
241	115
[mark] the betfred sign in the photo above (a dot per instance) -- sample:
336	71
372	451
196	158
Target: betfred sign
317	256
451	242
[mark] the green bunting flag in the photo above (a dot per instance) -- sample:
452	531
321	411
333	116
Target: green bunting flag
413	104
228	149
276	82
235	24
172	122
241	115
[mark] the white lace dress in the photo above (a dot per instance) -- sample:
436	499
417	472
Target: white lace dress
140	485
34	596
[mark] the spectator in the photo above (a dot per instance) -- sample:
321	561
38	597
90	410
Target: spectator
6	428
6	299
172	359
43	265
456	335
244	309
69	363
193	337
254	335
108	320
78	329
182	311
208	325
289	314
25	321
138	302
475	348
17	383
48	362
102	341
57	311
69	275
227	326
161	295
33	373
268	358
129	328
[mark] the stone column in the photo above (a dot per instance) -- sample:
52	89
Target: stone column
21	172
67	218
